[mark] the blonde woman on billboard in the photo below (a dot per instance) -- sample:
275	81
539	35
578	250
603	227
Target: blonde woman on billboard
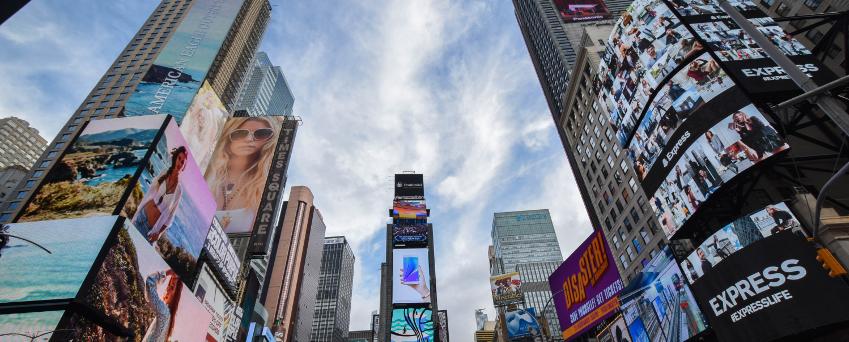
202	124
238	170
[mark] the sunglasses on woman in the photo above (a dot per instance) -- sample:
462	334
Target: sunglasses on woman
257	135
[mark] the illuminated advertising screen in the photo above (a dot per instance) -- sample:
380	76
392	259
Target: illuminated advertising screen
139	291
741	55
506	289
773	288
412	325
239	169
737	235
409	186
216	302
34	252
412	283
203	123
581	10
222	256
617	331
411	234
522	323
96	171
409	209
178	71
659	295
443	325
585	287
31	326
176	210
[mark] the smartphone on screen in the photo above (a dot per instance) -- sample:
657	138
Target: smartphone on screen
411	270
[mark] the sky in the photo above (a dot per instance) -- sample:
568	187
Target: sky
444	88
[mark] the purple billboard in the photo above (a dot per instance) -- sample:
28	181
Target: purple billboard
586	287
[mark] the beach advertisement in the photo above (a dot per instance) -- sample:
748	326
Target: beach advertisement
176	75
203	123
412	325
139	291
96	170
177	209
31	326
48	260
239	169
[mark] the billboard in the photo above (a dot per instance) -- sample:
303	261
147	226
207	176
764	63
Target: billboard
176	210
585	287
737	235
412	285
203	123
271	203
31	326
410	234
96	171
506	289
617	331
442	315
36	251
209	292
656	296
239	169
136	289
176	75
409	186
221	255
734	144
409	209
522	323
773	288
581	10
412	325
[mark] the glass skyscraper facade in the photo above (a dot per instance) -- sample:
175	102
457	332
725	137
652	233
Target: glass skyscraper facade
265	91
524	237
333	301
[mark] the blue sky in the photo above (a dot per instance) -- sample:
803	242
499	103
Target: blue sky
445	88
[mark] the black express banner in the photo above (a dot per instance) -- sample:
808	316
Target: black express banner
771	289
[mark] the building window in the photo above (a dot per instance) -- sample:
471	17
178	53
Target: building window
631	254
767	3
813	4
52	154
13	205
645	235
635	215
37	173
616	242
59	145
624	166
637	245
633	184
45	163
64	137
21	195
623	261
627	223
5	217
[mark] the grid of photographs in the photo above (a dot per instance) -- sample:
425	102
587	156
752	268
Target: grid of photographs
689	8
646	45
732	44
733	145
736	235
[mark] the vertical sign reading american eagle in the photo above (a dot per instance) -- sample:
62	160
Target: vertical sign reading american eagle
586	287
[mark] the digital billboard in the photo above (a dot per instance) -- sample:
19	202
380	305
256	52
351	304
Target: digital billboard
412	325
506	289
409	186
522	323
239	169
659	295
31	326
221	255
409	209
737	235
772	289
209	292
581	10
412	284
139	291
443	325
36	252
585	287
736	143
176	75
176	210
617	331
203	123
411	234
96	171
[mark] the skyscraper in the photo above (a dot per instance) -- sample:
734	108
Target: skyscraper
333	301
265	90
109	96
294	267
20	144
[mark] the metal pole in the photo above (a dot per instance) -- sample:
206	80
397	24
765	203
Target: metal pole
544	307
827	104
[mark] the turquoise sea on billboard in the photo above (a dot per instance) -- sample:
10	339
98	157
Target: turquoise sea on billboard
31	273
181	67
112	173
31	324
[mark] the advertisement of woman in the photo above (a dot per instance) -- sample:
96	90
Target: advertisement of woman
160	204
238	170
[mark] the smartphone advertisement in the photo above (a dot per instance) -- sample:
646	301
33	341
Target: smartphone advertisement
411	283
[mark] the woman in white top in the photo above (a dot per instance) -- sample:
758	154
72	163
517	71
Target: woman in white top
238	170
158	207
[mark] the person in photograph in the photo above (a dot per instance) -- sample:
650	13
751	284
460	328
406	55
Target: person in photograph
158	207
671	37
164	306
753	134
702	70
691	270
706	264
783	220
238	170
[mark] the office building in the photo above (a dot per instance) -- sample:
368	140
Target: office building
20	144
360	336
110	94
549	36
536	290
265	90
10	176
520	237
293	270
333	301
607	183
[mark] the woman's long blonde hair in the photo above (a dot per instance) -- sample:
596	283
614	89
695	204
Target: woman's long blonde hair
252	182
